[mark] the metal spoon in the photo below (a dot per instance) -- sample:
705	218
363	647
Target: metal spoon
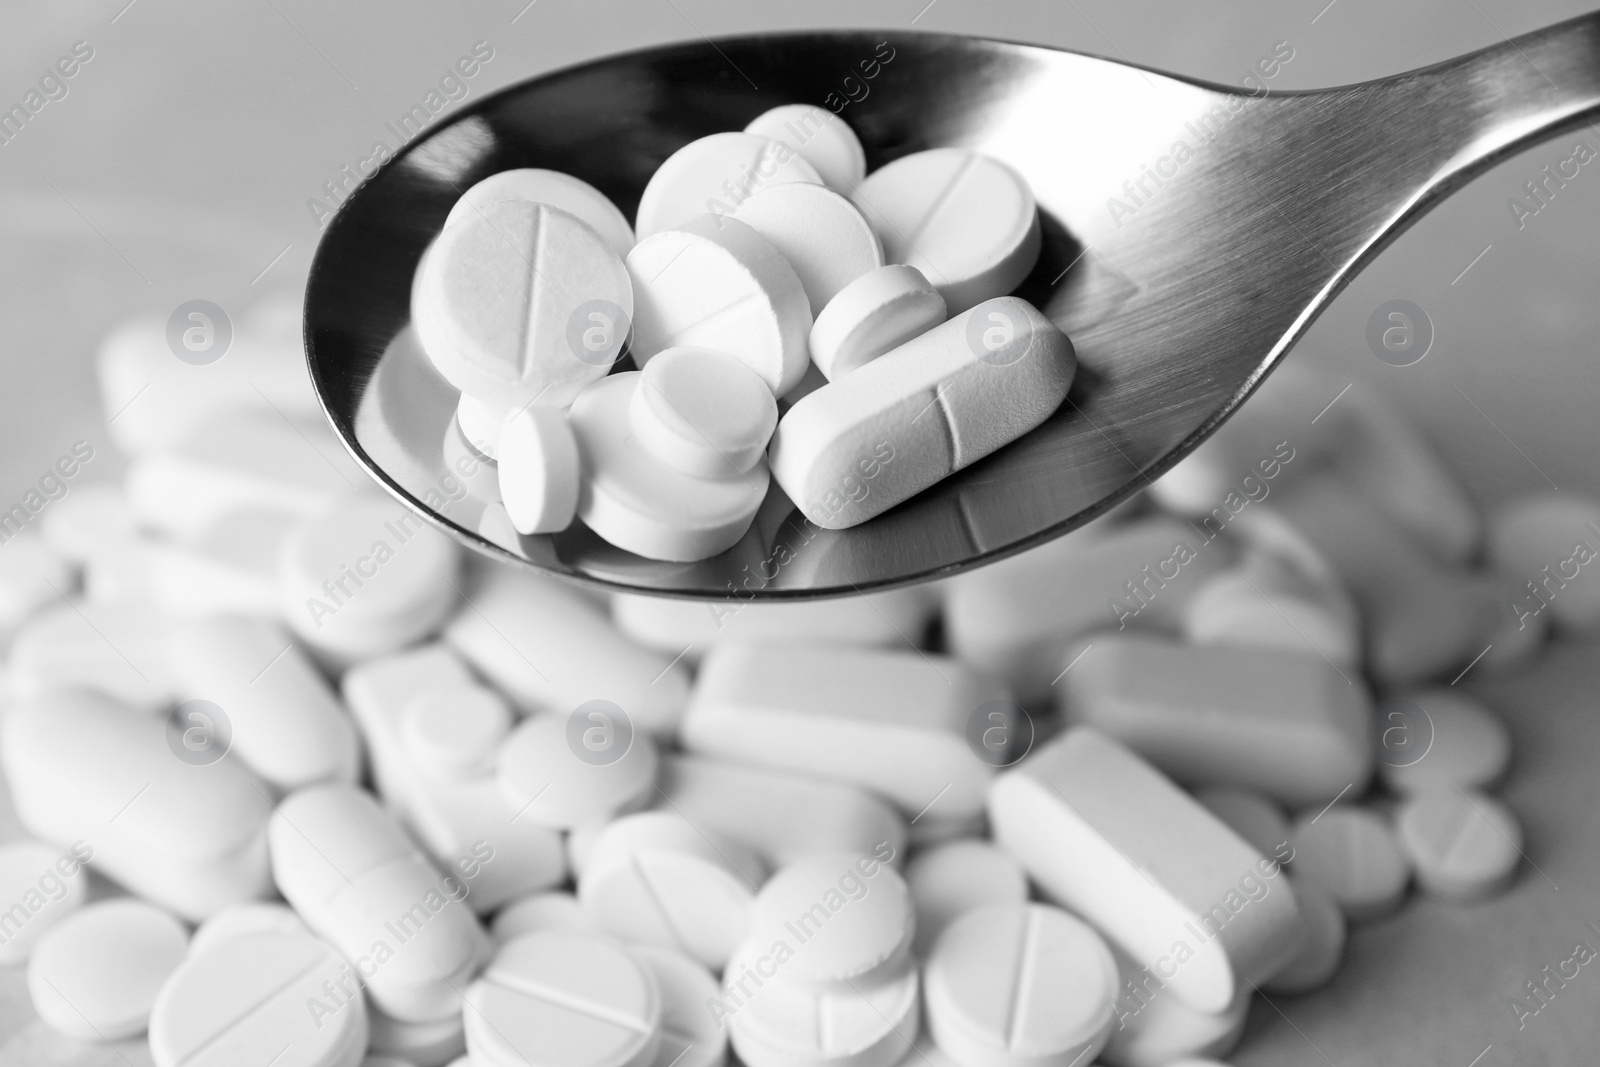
1182	276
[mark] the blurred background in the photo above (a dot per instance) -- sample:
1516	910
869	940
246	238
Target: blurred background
188	160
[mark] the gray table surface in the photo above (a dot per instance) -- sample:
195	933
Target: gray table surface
179	166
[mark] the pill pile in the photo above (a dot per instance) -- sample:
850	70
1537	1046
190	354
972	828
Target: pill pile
770	271
304	785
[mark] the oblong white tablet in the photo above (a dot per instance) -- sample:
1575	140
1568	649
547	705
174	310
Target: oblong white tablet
703	412
539	470
1354	856
43	885
1464	844
572	195
779	1023
947	398
716	174
966	220
281	990
506	299
637	502
656	878
825	238
690	1037
949	880
846	917
1009	985
877	313
121	650
554	998
822	138
713	282
95	975
547	782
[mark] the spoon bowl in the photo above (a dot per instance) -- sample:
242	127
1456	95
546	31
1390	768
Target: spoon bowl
1192	233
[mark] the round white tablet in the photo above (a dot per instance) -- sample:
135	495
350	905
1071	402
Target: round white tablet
780	1023
637	502
96	973
1322	947
39	886
539	470
949	880
716	174
850	914
1352	854
1438	739
555	999
572	195
365	577
522	303
420	1044
825	238
453	732
553	910
822	138
1464	845
703	412
249	998
965	220
878	312
655	878
1546	538
713	282
1250	815
480	423
240	920
690	1037
1010	985
547	782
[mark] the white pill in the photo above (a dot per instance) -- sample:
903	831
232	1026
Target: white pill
1439	739
1353	855
1103	833
555	998
656	878
1155	1028
95	975
878	312
1250	815
553	910
716	174
1511	633
86	518
1018	984
1261	605
895	617
703	412
572	195
504	298
453	732
930	831
32	575
480	423
280	716
1323	948
539	472
189	580
713	282
546	646
187	836
846	917
365	577
1463	845
641	504
964	219
838	712
480	476
820	137
121	650
266	993
430	1044
349	870
913	416
1546	540
547	780
39	886
690	1037
243	920
825	238
780	815
1289	725
1016	619
788	1024
953	878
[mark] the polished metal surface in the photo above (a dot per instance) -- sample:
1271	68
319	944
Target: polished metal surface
1179	290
